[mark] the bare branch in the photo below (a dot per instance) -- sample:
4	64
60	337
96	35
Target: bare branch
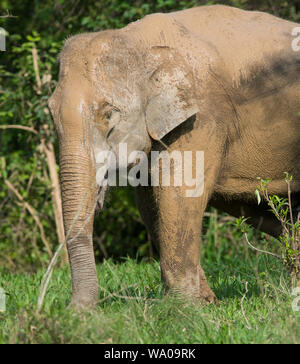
116	295
291	212
259	250
22	127
36	69
7	16
46	278
48	149
242	307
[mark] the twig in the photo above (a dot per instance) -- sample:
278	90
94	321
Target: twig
36	69
291	213
46	278
139	298
48	149
242	307
18	229
37	248
7	16
22	127
29	183
259	250
33	213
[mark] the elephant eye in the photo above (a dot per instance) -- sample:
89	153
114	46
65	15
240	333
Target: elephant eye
108	114
109	110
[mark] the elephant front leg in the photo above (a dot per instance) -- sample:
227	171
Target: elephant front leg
179	234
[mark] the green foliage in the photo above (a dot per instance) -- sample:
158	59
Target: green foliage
44	25
282	208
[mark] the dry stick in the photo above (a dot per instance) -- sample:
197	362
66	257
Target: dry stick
136	298
27	128
259	250
36	247
18	227
46	278
51	161
36	69
242	307
55	194
7	16
291	213
116	295
33	213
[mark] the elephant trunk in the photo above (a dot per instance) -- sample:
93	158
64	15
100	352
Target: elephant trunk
79	195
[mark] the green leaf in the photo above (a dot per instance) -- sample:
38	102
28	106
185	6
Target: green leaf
258	196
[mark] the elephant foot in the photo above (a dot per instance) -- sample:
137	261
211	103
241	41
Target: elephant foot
82	303
192	286
204	295
207	296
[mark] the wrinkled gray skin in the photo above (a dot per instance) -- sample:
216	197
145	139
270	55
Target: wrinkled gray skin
215	79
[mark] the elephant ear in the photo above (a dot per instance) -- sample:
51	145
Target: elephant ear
171	98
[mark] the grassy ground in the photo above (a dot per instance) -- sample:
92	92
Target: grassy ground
132	308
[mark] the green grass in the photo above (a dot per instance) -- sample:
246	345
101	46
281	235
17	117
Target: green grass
133	309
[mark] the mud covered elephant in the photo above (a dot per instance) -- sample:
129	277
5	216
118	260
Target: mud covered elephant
214	79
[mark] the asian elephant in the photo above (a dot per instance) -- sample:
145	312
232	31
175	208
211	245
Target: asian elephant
214	79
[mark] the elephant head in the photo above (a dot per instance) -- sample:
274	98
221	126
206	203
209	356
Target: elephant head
111	90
